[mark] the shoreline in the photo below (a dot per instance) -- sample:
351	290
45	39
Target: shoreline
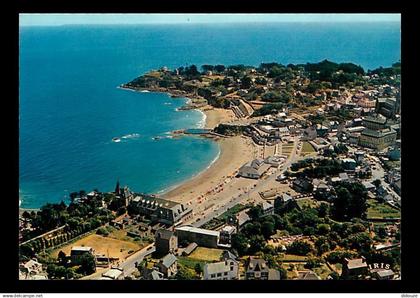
224	165
233	152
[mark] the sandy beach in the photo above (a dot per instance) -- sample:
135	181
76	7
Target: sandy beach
234	152
216	116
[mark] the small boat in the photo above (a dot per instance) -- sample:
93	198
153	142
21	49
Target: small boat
116	140
156	138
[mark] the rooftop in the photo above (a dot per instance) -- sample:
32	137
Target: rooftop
378	133
197	230
154	200
218	267
168	260
356	263
81	248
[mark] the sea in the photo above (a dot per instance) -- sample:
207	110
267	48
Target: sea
70	106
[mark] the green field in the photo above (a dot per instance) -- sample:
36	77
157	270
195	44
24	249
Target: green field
307	202
291	258
206	254
381	210
190	263
307	148
323	271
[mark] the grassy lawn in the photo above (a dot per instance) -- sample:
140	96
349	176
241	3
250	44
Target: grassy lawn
206	254
154	74
323	271
381	210
191	263
308	202
307	148
290	257
102	245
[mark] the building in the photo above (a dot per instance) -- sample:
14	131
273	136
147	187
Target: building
31	270
359	156
274	161
144	230
285	202
377	139
168	265
226	235
383	274
267	208
257	269
152	274
387	107
348	164
228	269
242	218
166	242
375	123
160	210
254	169
302	185
189	249
355	267
397	186
202	237
77	252
114	273
321	130
308	275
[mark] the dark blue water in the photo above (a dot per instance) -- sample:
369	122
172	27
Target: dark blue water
70	108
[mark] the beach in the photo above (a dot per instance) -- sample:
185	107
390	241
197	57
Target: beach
215	116
234	152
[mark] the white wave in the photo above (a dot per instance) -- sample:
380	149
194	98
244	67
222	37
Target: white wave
131	136
202	122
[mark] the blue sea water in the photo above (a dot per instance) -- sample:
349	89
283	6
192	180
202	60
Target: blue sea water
70	107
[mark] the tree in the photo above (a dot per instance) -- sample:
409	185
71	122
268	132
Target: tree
350	201
62	258
207	67
26	250
73	195
252	229
377	183
323	229
255	213
299	247
198	269
26	215
312	263
322	245
256	244
382	232
87	264
240	243
323	210
219	68
191	71
246	82
267	229
184	274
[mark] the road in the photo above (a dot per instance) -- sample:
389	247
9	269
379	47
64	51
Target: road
242	195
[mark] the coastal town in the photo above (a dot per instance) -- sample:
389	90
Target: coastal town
307	186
